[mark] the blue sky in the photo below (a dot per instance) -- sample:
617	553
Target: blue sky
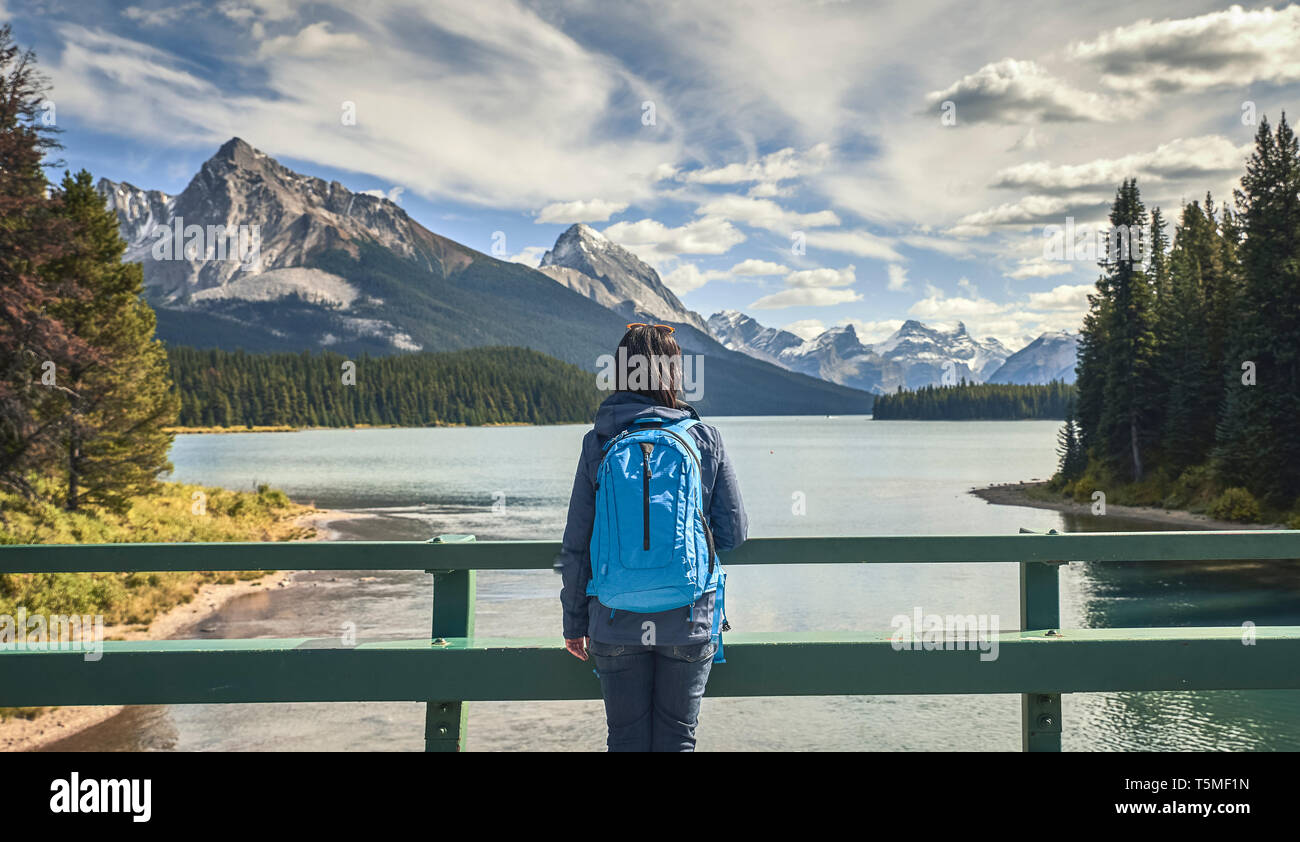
921	150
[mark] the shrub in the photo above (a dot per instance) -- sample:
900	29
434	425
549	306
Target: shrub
1235	504
1194	485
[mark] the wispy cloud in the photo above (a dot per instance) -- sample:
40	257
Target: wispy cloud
591	210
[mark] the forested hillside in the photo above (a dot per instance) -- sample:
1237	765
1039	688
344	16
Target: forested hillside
1189	369
984	401
474	386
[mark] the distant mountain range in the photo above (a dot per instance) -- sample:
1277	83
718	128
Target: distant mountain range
354	273
915	355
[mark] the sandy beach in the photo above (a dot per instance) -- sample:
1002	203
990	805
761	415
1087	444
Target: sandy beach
1021	494
31	734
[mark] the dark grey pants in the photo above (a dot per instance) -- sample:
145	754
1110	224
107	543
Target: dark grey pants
652	693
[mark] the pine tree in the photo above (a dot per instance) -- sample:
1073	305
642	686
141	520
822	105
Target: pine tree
119	398
1117	375
1073	460
1188	366
1258	442
35	348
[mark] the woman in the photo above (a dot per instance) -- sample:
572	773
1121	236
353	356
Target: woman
652	665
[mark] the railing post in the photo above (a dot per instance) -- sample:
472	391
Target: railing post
445	720
1040	608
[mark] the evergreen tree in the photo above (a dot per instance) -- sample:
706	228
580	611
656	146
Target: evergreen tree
1186	361
1073	461
119	397
1258	438
35	347
1118	378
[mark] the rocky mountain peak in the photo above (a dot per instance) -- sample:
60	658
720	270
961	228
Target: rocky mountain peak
588	262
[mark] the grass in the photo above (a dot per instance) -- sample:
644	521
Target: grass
175	513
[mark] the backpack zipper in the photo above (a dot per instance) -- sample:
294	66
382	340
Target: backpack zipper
646	447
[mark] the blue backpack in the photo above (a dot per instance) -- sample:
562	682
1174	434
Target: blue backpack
651	547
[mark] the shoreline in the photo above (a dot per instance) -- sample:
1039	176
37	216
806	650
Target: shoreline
1020	494
286	428
17	734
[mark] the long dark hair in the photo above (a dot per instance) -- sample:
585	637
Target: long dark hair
647	345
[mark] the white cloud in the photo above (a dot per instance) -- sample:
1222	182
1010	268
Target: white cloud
1233	48
805	297
243	10
315	41
393	195
531	256
764	213
769	170
1011	91
812	288
763	190
1065	297
1038	267
655	242
162	16
859	243
1062	308
825	277
1195	158
758	267
897	277
874	331
688	276
1030	210
806	328
594	210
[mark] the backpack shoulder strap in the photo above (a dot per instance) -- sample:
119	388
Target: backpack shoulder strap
684	424
680	428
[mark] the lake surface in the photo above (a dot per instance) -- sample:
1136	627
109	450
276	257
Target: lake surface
854	476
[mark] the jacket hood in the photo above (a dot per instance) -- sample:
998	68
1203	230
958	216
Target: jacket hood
619	409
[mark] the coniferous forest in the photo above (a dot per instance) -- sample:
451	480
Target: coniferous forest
976	401
474	386
1189	361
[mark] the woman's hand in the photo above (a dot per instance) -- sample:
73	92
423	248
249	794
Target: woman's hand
577	647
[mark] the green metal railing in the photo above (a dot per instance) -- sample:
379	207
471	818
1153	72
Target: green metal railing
1040	661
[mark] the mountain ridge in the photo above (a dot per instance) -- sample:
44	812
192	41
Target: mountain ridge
915	355
354	273
613	276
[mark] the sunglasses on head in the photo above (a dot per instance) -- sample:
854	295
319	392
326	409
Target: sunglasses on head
668	328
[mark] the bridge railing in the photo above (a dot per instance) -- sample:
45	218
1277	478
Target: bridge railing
1040	661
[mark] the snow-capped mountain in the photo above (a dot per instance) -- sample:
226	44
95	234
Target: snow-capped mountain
915	355
925	352
742	333
590	263
139	212
1052	356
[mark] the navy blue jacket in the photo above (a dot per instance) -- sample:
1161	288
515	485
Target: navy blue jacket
584	616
